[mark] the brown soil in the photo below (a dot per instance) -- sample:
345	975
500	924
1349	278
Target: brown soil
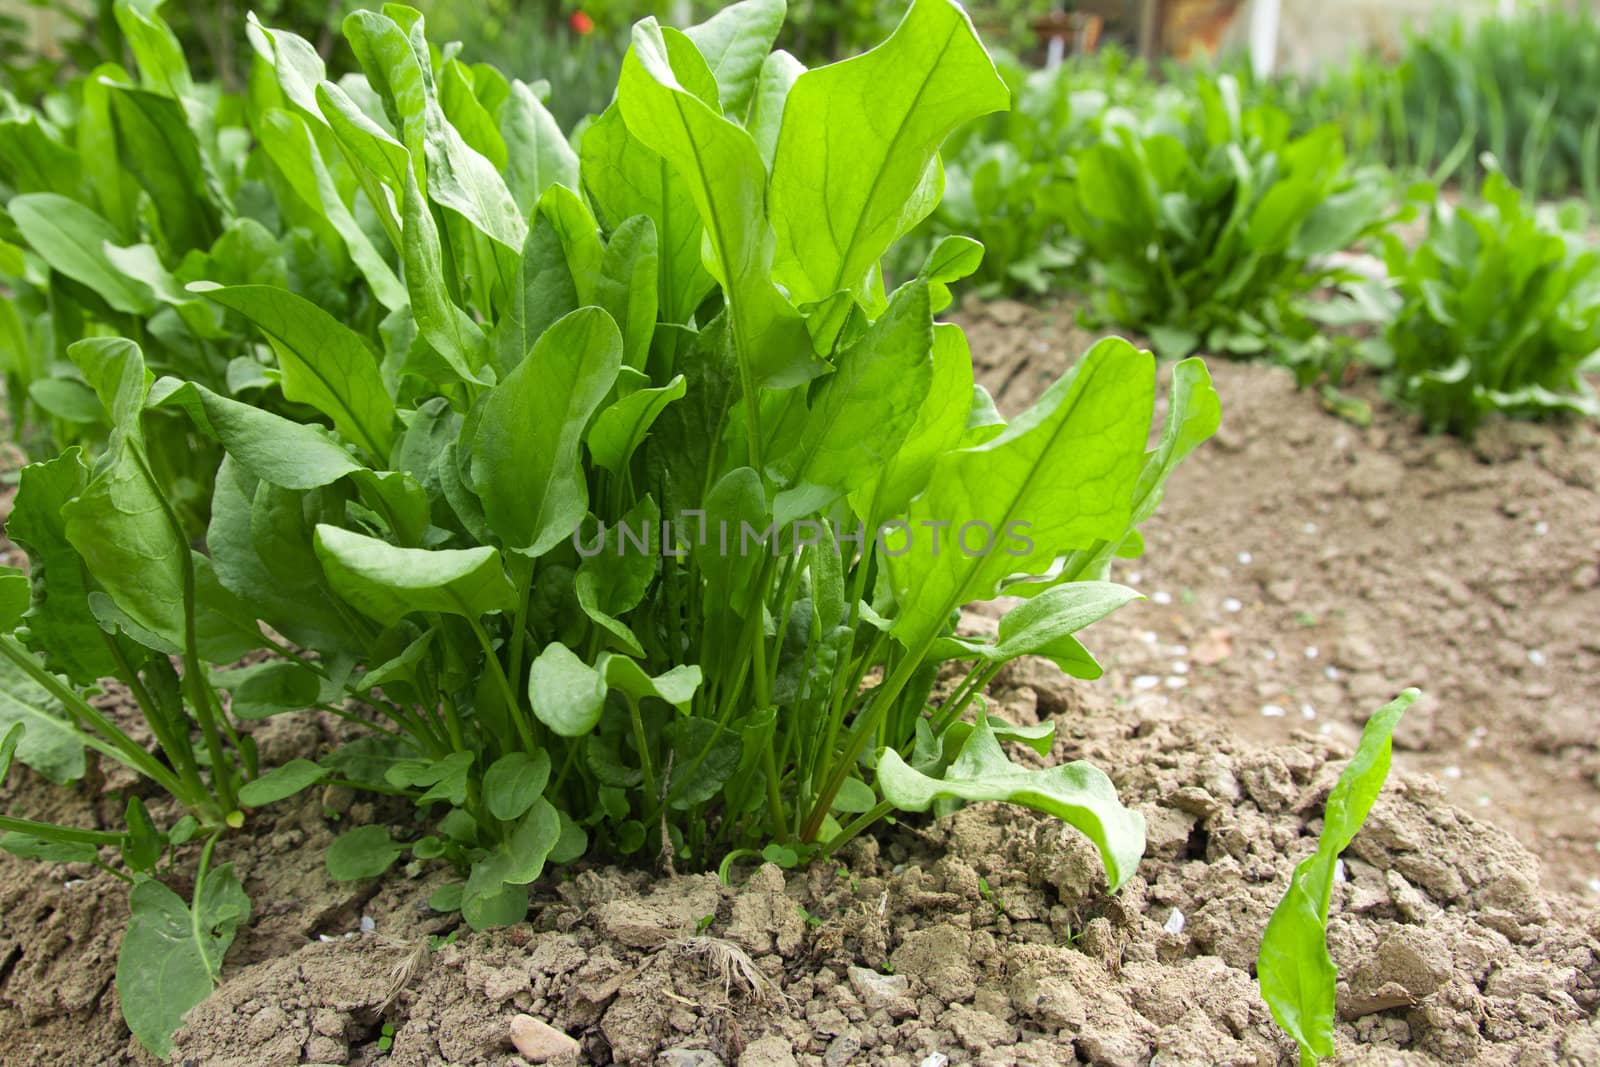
987	938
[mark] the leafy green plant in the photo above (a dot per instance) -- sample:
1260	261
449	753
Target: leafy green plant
1499	310
1207	233
642	687
1294	969
634	523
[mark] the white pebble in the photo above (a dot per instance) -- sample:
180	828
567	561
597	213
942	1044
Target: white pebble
1149	637
1174	923
326	937
1307	712
1180	667
1246	558
1541	528
1483	800
1331	673
1160	597
1272	711
1536	657
1311	652
1146	681
1232	604
367	924
1133	577
935	1059
1452	772
1175	682
1594	885
1270	655
1178	650
1338	871
1310	527
1326	729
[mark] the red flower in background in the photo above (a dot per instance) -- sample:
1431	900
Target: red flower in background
581	23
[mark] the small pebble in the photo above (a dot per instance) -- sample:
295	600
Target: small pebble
1270	655
1452	772
1331	673
1176	682
539	1042
1149	637
1307	712
1232	604
1146	681
1536	657
368	924
1245	558
1180	667
1541	528
1338	871
1174	923
1594	885
1483	800
1178	650
1272	711
1310	527
935	1059
1133	577
1160	597
1311	652
1326	729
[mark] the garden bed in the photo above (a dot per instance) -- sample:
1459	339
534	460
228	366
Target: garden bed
1428	565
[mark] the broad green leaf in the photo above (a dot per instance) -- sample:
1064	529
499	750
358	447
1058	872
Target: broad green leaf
290	454
625	178
114	188
626	286
325	363
722	168
172	954
459	101
388	583
613	578
525	455
295	62
281	783
290	143
734	43
1076	793
566	694
402	82
156	49
862	412
779	72
858	140
446	327
544	292
1060	477
158	146
145	843
689	738
365	852
261	689
514	782
676	686
620	429
72	239
938	429
60	626
493	896
538	156
51	744
1294	969
369	147
579	232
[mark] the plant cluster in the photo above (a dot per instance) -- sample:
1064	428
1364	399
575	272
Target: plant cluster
609	490
1498	309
